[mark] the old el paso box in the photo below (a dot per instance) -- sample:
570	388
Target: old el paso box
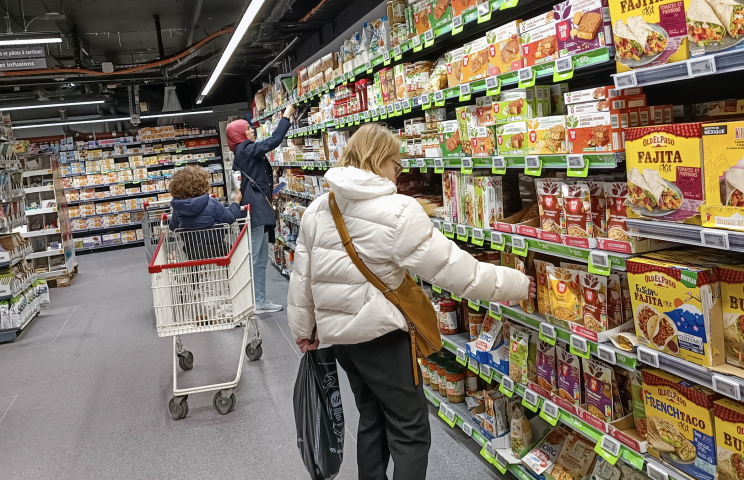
723	159
665	178
581	26
680	422
729	438
661	22
675	309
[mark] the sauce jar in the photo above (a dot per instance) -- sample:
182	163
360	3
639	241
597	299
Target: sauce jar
424	363
434	372
442	367
475	322
455	383
447	317
471	383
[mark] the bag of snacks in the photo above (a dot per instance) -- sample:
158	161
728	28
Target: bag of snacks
615	194
543	287
594	301
437	77
542	458
575	459
524	265
598	382
546	373
550	199
569	376
577	210
565	296
614	301
521	432
519	351
598	208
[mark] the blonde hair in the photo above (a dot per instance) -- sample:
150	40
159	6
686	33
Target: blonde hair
369	148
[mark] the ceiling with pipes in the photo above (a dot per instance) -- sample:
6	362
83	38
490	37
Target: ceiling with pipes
150	44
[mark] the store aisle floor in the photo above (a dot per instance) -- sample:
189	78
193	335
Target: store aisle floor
84	393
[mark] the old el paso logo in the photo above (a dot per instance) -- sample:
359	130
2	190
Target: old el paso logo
658	140
660	280
672	411
628	6
735	442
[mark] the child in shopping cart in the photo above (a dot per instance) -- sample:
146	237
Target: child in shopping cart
195	210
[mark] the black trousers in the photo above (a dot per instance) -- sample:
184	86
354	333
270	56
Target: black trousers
394	417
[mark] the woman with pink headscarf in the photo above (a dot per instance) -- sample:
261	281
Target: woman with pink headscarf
256	186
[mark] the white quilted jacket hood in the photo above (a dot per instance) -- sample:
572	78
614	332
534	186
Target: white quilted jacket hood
391	233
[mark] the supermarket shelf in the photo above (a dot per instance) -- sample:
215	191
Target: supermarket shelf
53	273
303	164
44	188
41	233
616	260
47	253
290	219
33	173
41	211
142	142
9	335
687	234
605	160
279	268
116	197
110	227
113	157
109	213
307	196
113	245
713	64
16	287
163	164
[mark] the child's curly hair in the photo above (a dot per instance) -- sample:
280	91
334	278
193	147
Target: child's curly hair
189	183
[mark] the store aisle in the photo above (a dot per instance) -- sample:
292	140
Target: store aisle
84	392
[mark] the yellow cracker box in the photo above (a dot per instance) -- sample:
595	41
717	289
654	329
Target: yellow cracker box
729	438
676	309
723	159
679	417
547	135
665	177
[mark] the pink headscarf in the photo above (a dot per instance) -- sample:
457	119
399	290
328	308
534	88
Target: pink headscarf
236	133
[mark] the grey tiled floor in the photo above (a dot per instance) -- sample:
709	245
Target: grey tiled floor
84	393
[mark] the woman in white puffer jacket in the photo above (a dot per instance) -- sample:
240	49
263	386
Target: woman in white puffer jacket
391	233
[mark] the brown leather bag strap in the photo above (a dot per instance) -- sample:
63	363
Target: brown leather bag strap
338	219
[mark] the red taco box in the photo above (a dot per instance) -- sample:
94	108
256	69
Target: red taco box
593	133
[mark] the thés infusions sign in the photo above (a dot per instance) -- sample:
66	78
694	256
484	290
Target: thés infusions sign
23	57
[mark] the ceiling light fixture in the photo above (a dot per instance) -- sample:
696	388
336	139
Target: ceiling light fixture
174	114
48	105
29	39
80	122
237	37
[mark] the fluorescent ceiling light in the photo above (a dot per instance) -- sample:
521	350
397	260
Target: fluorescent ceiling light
48	105
60	124
29	39
236	38
175	114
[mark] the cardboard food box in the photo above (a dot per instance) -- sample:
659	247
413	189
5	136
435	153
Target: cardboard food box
589	107
440	13
675	309
420	17
591	95
557	103
628	101
592	132
504	49
542	100
451	190
537	21
680	422
483	141
511	138
539	45
461	7
665	178
467	118
663	26
729	428
514	105
723	147
581	26
489	201
732	299
475	60
454	67
625	118
449	139
484	109
547	135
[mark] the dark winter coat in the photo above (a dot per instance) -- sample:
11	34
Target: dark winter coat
250	159
202	213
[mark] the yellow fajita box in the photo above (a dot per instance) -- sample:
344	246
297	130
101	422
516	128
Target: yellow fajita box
647	34
723	159
677	309
665	177
729	438
680	423
731	278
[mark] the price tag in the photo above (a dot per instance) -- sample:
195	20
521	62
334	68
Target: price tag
498	165
488	452
397	53
563	69
579	346
448	230
599	263
698	67
382	111
421	163
462	233
493	86
356	119
507	386
473	365
530	400
550	412
726	386
467	428
405	164
519	246
477	238
447	414
416	41
608	448
577	166
462	357
494	309
428	38
547	333
465	92
438	165
368	66
437	223
466	165
526	77
365	116
655	473
500	463
474	304
486	372
625	80
390	109
532	165
714	238
606	354
398	108
497	241
456	24
425	101
436	289
484	11
386	58
439	98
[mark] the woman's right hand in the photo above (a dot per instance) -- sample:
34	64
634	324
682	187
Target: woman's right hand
289	111
533	287
237	197
304	344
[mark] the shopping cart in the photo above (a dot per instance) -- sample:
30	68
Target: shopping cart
151	224
202	281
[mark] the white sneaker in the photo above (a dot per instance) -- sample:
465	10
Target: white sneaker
268	307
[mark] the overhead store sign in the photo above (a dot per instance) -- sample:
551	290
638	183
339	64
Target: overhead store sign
22	64
34	51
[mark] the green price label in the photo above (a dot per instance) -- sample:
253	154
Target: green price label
474	305
608	448
436	289
550	412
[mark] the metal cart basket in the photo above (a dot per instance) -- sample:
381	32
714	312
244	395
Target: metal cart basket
151	225
202	281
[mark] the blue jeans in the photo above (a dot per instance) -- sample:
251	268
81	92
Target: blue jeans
260	251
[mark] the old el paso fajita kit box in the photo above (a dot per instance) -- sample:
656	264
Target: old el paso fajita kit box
723	147
665	177
677	309
681	423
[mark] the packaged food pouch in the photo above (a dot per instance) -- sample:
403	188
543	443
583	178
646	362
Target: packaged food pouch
616	194
550	200
576	458
627	306
543	287
565	294
546	372
577	210
614	301
624	380
594	301
574	266
598	208
569	376
518	354
521	433
524	265
543	456
639	406
598	384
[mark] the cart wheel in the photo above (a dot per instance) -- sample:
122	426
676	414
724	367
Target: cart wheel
186	360
253	353
223	405
178	407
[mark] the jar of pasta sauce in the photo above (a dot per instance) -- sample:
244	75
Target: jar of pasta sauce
447	317
475	322
455	383
442	367
471	383
424	363
434	372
